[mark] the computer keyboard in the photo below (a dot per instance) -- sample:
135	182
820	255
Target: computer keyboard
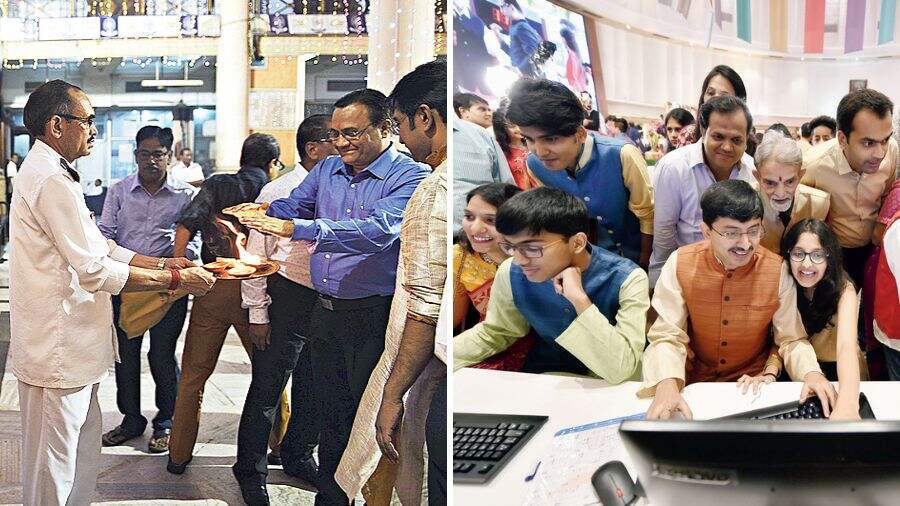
484	443
811	409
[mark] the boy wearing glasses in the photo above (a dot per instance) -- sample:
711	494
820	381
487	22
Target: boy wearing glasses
140	213
717	301
588	305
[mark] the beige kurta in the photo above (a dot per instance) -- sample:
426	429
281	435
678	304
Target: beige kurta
421	273
809	202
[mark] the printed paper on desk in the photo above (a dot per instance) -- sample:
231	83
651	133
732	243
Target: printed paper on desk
564	475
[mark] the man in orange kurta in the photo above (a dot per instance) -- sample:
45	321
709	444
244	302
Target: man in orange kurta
717	300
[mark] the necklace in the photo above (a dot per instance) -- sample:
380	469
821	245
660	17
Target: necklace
489	260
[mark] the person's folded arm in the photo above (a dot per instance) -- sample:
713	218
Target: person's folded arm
790	336
666	355
612	352
357	235
503	325
77	239
667	203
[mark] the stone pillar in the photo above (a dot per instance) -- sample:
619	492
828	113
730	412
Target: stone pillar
401	37
232	85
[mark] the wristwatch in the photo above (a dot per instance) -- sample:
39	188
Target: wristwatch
161	263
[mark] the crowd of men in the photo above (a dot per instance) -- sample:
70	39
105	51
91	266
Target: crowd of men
712	265
358	230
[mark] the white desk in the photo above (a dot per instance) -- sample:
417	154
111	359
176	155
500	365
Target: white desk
570	401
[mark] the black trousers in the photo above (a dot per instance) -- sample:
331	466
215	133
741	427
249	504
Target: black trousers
436	440
286	355
163	368
347	342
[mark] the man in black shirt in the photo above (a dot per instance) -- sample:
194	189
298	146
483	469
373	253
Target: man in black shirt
220	309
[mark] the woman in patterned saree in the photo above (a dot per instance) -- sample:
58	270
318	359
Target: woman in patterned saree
476	256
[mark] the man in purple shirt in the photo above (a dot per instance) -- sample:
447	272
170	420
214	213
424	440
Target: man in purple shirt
351	208
140	214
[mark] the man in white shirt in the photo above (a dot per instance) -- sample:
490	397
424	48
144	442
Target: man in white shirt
187	169
12	168
63	272
279	309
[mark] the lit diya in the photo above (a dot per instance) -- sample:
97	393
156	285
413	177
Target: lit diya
246	265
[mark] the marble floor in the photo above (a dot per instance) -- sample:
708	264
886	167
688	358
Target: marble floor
129	475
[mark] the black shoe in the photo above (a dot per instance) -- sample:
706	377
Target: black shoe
306	469
274	459
174	468
253	490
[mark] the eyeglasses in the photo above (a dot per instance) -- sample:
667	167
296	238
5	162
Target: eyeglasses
144	155
529	251
734	235
351	134
815	256
88	121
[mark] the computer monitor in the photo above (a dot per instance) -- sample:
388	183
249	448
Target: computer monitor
743	463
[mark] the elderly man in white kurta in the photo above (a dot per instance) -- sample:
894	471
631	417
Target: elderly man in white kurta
62	274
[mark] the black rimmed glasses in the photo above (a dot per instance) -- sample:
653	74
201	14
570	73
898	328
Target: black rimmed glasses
816	256
157	155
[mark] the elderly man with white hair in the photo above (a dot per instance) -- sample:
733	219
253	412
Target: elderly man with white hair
779	168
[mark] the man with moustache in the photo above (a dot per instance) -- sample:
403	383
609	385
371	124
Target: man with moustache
140	213
857	169
779	168
683	175
351	207
62	274
717	301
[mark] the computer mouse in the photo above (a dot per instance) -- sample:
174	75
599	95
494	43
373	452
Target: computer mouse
613	484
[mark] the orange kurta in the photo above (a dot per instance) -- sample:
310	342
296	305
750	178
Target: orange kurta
729	313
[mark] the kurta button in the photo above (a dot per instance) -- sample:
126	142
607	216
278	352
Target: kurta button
327	255
728	275
727	298
610	231
567	310
722	361
724	322
587	199
724	343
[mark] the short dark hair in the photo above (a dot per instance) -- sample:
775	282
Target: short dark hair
730	75
724	104
465	101
780	128
495	194
547	105
258	150
374	100
427	84
826	121
682	116
312	129
621	124
543	209
805	130
185	149
732	198
50	98
163	135
856	101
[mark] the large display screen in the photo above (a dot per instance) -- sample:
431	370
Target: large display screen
497	42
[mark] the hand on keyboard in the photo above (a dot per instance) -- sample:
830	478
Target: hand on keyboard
815	383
